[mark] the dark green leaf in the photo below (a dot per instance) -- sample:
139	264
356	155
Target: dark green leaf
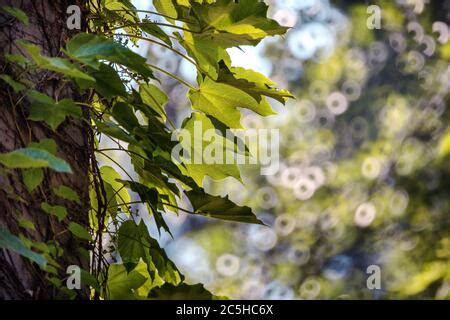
219	207
90	48
151	197
53	113
67	193
154	97
182	291
154	30
79	231
59	212
107	81
135	243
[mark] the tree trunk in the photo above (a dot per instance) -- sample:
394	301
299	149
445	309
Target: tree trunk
19	277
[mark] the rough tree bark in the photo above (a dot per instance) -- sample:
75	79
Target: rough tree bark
19	277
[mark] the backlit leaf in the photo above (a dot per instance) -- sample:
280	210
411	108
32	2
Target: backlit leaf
221	101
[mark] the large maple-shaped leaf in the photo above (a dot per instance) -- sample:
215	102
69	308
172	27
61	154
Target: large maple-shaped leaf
203	155
253	83
44	108
231	23
206	54
221	101
121	284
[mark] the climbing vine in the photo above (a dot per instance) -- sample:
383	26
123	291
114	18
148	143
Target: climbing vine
120	100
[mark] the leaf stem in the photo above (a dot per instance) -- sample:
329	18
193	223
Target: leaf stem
155	23
187	84
167	47
150	12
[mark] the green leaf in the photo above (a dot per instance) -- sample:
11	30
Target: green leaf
67	193
182	291
59	65
253	83
53	113
123	9
32	178
17	86
113	130
221	101
206	55
154	30
11	242
90	48
151	174
166	7
107	81
154	97
33	158
151	197
121	284
231	23
135	243
125	116
198	150
17	13
219	207
27	224
111	176
79	231
60	212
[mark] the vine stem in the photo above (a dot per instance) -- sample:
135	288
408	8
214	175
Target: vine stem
187	84
158	43
167	47
176	207
150	12
124	150
163	203
118	164
155	23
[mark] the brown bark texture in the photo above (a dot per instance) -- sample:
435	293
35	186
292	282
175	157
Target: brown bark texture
19	277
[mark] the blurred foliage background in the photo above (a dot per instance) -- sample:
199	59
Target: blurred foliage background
364	173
